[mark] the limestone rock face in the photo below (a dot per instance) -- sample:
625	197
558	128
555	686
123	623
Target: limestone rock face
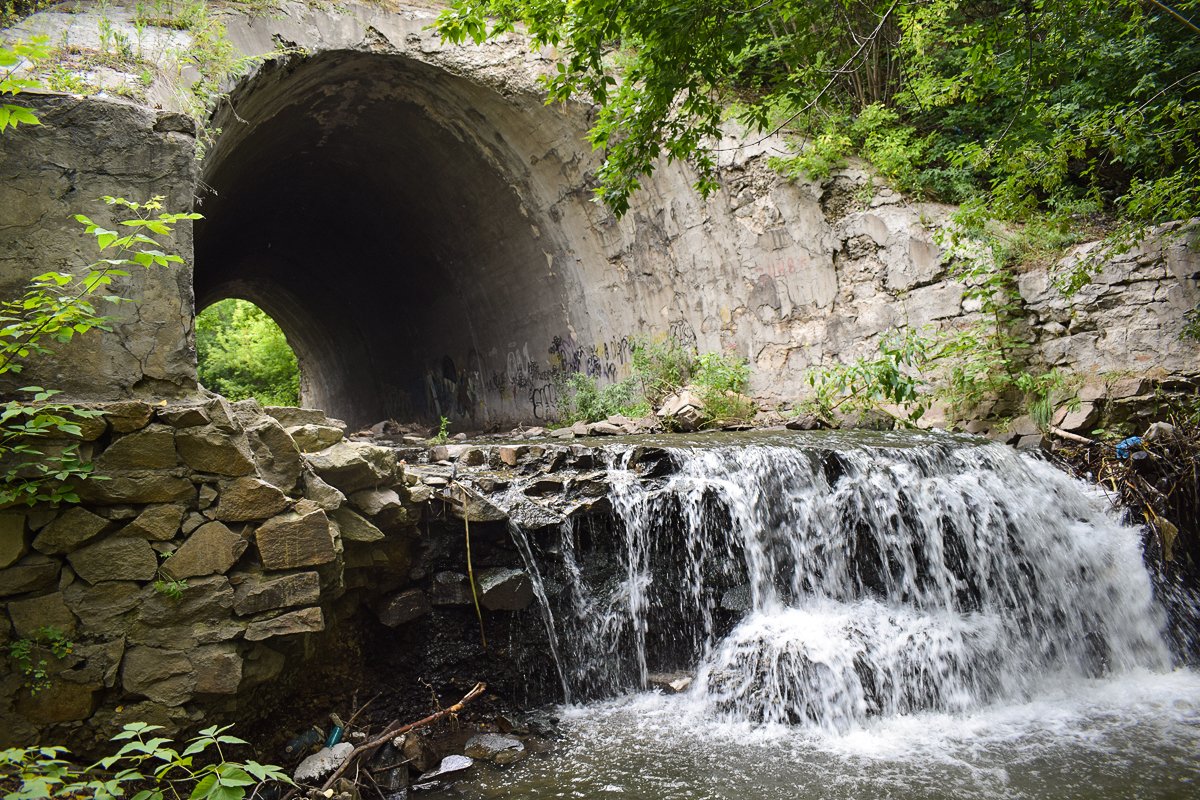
210	549
13	542
137	487
150	448
299	538
245	499
354	528
276	456
210	449
403	607
261	593
159	523
306	620
351	466
70	531
47	611
117	559
311	438
161	675
504	589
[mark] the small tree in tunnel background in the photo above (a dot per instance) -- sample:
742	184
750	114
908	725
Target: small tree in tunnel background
243	353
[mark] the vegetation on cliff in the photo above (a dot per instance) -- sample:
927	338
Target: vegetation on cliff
1065	109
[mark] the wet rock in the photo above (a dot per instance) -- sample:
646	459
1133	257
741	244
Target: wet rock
70	531
246	499
211	549
355	528
258	593
669	682
322	763
806	422
159	523
450	589
511	455
475	507
495	748
736	599
403	607
651	462
503	589
563	433
297	538
544	486
449	766
605	429
210	449
307	620
419	752
117	559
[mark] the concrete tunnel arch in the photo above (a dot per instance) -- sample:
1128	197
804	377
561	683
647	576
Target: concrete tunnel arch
376	207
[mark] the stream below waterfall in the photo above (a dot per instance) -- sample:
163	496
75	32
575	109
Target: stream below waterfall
860	616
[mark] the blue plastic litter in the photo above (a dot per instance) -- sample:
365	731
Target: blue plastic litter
335	736
1126	445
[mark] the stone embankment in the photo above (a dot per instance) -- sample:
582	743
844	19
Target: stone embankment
213	541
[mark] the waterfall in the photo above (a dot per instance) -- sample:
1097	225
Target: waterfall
820	585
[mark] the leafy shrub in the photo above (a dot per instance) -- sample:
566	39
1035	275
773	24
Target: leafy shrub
662	366
149	767
581	399
242	353
720	380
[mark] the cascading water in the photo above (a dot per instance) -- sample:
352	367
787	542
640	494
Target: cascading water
874	581
890	616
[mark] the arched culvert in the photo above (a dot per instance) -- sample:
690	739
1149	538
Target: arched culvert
372	205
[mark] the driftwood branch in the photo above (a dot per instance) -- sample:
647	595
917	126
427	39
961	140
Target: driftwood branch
367	748
1071	437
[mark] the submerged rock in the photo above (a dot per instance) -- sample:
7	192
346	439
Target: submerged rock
496	748
449	766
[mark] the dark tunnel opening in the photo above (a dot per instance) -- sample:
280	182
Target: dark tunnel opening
367	204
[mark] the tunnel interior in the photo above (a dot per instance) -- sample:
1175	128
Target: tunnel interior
371	206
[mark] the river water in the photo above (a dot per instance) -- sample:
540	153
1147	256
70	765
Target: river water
861	617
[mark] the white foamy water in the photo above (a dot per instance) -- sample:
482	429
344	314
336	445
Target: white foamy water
943	619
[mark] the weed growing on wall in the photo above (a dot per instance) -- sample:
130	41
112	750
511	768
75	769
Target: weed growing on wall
30	654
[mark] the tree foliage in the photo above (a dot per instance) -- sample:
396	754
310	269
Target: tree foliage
1021	107
243	353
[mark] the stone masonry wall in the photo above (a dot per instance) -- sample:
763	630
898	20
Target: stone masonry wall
269	518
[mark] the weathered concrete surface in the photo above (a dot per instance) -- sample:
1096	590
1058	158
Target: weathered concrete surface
420	223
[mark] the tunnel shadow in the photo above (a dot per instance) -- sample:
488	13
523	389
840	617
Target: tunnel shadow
373	206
